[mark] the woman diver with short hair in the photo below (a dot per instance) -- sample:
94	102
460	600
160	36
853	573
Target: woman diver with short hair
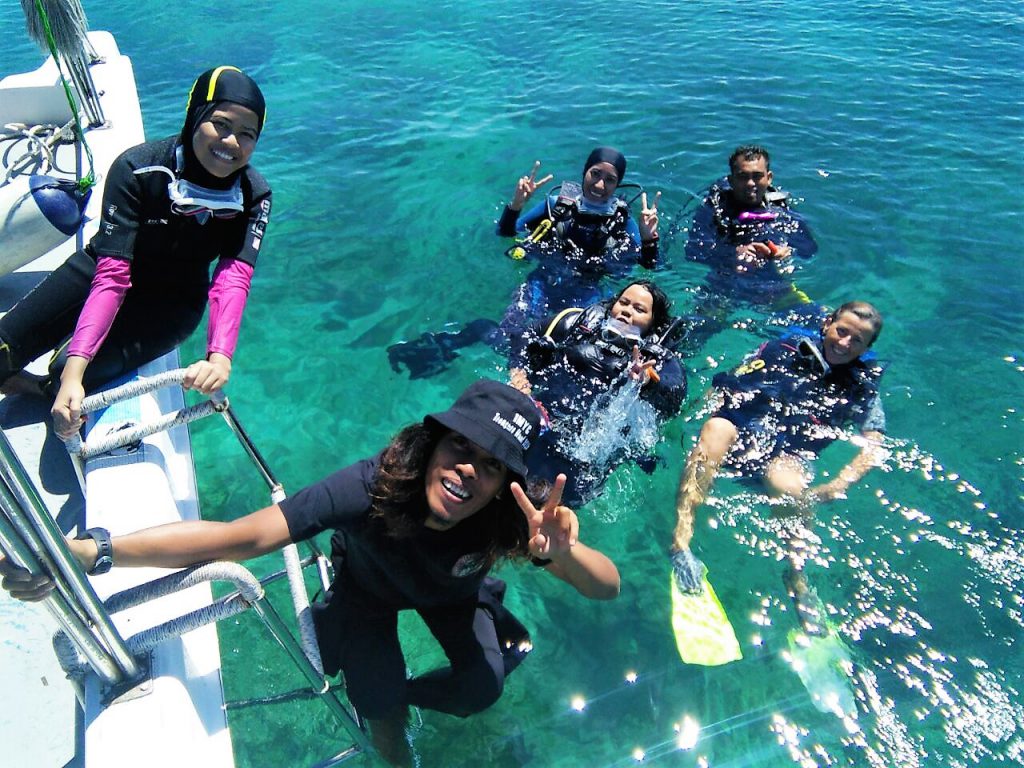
139	287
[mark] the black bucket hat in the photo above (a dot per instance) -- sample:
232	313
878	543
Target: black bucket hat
499	419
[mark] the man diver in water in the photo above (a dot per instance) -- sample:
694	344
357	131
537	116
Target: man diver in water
777	411
746	232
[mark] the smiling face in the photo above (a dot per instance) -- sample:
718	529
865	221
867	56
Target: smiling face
224	141
635	306
600	182
846	338
462	479
750	180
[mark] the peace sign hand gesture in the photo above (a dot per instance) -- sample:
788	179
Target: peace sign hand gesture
649	217
526	186
554	529
642	370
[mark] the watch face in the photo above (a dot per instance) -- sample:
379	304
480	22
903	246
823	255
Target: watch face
103	564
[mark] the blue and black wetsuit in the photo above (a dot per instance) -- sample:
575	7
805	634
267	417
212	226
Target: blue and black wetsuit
582	247
717	229
786	399
572	362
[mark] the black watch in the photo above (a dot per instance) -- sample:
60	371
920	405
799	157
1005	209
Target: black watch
104	550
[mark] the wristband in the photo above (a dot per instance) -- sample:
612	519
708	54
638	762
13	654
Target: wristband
104	550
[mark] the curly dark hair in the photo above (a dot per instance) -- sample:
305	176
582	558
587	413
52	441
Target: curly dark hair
399	501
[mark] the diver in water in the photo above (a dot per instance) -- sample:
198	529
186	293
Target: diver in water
577	236
139	287
418	526
777	411
573	364
749	236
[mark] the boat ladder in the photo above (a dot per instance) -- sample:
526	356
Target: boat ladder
87	638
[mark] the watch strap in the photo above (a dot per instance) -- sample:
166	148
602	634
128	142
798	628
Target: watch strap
104	550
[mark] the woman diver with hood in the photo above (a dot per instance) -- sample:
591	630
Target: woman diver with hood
577	236
139	287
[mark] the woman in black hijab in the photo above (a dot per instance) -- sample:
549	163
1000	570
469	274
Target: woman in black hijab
139	288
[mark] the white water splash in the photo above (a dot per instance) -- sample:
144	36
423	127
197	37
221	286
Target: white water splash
618	425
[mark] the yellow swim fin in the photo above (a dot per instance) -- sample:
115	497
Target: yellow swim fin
703	632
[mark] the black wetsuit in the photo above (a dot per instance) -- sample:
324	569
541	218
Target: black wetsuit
439	574
783	399
571	366
170	264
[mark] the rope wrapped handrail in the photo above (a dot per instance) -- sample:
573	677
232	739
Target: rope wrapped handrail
303	612
248	586
134	434
132	389
145	641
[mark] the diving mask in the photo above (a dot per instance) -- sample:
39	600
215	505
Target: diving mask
808	350
570	192
189	199
619	332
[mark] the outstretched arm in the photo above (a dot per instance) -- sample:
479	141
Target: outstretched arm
868	457
175	545
554	531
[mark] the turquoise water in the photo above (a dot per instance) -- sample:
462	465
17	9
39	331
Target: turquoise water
395	134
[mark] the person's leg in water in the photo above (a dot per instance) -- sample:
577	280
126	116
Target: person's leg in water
788	478
361	635
717	438
432	352
476	677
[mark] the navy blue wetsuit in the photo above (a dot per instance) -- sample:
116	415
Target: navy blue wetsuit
170	263
439	574
582	248
785	399
570	366
716	231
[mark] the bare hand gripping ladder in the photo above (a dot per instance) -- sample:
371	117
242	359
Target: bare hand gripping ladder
305	656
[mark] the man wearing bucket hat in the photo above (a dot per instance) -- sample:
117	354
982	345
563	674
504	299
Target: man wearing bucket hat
418	526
